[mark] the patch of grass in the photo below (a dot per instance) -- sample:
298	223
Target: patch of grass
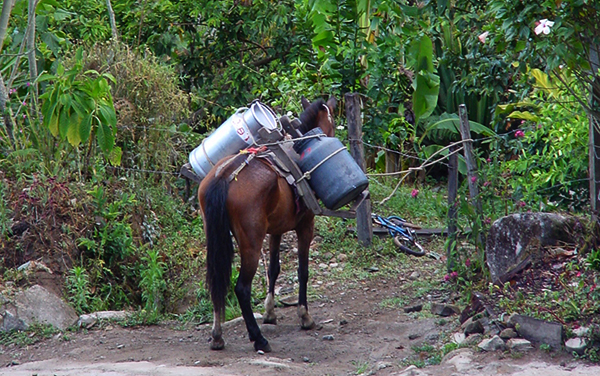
428	209
34	334
428	355
395	302
361	367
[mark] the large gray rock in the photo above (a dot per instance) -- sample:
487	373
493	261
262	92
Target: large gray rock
517	240
37	305
549	333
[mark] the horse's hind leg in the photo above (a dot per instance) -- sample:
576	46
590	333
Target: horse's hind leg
274	268
243	291
217	342
305	234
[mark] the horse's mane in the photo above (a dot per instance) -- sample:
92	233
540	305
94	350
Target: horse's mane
309	116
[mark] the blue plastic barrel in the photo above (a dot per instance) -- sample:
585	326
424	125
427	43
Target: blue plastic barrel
334	175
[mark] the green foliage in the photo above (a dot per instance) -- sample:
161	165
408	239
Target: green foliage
78	289
545	161
152	282
78	105
108	245
5	213
34	334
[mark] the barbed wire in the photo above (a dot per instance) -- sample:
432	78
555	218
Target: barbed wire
142	170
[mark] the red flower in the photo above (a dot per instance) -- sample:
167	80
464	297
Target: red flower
414	193
519	133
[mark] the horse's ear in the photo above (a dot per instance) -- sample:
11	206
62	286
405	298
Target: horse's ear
305	102
332	103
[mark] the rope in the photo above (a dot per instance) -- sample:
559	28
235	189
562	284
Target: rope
306	175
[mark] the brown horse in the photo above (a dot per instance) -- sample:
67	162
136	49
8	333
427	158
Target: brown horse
257	202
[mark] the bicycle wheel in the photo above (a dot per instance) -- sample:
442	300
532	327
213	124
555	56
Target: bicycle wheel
407	246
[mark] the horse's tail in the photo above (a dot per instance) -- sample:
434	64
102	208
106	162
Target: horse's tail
218	243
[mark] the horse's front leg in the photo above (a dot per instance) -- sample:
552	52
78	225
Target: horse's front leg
305	234
274	268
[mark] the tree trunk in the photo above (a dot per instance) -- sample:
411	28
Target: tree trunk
113	23
594	134
8	121
33	72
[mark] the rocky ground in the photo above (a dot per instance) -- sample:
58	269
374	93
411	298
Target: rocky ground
364	330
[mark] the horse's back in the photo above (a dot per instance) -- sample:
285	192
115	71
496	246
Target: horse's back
258	197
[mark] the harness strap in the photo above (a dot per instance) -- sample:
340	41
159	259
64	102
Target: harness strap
245	163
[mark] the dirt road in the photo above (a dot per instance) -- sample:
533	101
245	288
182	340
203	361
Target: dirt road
359	335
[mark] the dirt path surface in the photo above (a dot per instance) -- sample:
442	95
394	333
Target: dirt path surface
359	335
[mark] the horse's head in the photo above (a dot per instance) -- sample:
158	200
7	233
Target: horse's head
318	114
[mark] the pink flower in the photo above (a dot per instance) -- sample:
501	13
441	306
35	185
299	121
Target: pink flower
488	160
28	84
483	36
468	263
24	116
24	103
454	274
578	274
414	193
446	278
522	204
543	26
473	179
486	183
519	133
487	221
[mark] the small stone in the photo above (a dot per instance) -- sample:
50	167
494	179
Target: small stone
15	363
372	269
444	310
323	266
260	352
414	276
474	327
120	346
577	345
305	359
473	339
343	322
413	336
333	265
508	333
582	331
432	337
459	338
413	308
342	257
468	321
492	344
11	322
328	337
519	344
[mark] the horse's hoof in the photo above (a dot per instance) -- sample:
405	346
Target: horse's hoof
262	345
308	326
217	344
270	320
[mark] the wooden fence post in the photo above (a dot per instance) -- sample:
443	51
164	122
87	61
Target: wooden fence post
465	131
364	224
452	194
